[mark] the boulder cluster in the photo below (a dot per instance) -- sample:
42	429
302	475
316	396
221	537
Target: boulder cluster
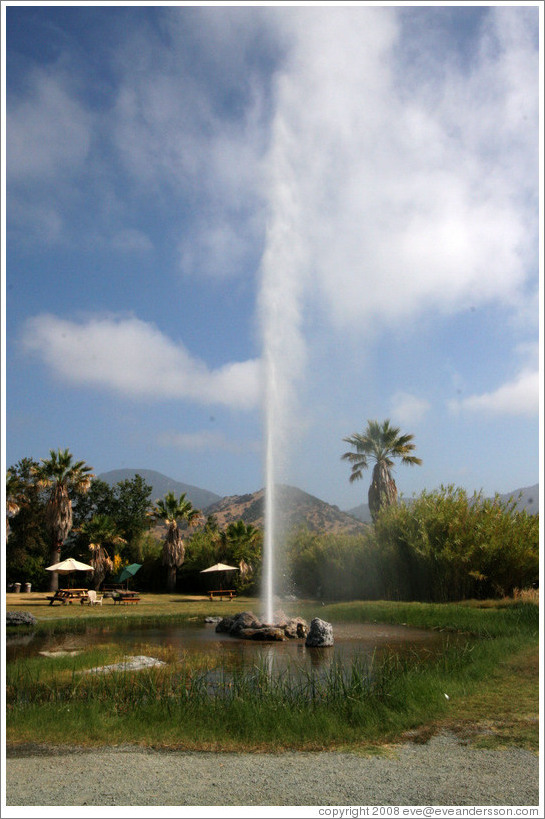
20	618
246	626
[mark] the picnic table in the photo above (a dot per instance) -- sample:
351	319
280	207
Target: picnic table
65	596
221	593
125	597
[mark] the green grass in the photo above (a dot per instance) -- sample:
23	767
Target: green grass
50	699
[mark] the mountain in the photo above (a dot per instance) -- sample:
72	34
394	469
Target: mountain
526	498
361	512
297	508
161	484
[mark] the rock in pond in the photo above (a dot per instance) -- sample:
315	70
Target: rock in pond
320	634
224	625
268	633
247	626
20	618
296	628
244	620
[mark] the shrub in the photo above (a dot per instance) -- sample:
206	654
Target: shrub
446	546
439	547
335	567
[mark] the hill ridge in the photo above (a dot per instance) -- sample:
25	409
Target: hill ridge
296	508
161	484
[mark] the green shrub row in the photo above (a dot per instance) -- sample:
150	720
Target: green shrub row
440	547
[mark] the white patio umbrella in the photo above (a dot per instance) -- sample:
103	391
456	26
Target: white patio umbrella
68	566
221	567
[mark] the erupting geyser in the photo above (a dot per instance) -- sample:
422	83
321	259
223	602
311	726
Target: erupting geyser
283	277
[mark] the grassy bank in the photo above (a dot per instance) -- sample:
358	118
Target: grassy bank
490	683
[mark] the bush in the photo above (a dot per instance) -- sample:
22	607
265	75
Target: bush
442	546
336	567
445	546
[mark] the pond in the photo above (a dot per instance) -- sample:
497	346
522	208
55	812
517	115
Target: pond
359	641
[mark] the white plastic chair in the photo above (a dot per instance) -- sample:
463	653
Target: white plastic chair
94	598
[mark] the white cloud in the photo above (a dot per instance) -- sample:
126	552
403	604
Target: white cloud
409	202
407	409
135	360
205	440
197	131
49	132
519	397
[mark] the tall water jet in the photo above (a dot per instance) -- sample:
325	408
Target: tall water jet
270	504
283	274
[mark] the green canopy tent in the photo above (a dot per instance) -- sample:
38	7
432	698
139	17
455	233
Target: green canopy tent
128	571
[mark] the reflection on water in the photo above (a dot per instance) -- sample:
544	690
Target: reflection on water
360	641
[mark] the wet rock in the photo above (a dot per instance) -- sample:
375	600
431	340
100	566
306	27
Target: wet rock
247	626
20	618
246	619
213	619
296	628
320	634
268	633
224	625
128	664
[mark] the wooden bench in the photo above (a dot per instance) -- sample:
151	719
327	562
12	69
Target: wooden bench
221	593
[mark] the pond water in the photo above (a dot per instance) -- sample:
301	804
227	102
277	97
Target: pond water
359	641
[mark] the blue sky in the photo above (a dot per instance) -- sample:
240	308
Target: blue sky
348	194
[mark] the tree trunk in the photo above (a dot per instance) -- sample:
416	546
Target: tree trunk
383	490
173	554
54	557
59	522
171	579
101	564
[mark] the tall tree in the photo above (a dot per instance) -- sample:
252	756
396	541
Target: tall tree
241	541
14	496
172	510
101	531
99	500
127	503
132	504
381	444
27	545
242	544
62	476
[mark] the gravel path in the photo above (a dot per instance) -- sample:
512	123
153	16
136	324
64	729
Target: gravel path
441	772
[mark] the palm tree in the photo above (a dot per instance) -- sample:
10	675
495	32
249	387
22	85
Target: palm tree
242	543
380	443
62	475
100	530
171	510
14	496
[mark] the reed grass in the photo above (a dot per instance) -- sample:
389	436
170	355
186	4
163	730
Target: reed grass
192	703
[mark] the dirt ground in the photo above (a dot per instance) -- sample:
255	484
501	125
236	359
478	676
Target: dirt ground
443	771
